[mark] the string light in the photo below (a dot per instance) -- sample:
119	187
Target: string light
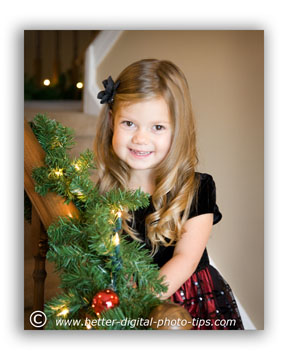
77	192
118	212
58	172
79	85
77	165
64	312
46	82
56	143
116	240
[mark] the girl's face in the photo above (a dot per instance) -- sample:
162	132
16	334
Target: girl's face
142	133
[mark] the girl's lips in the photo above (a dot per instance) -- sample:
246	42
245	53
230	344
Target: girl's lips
140	154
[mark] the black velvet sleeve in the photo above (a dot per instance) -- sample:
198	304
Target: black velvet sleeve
206	199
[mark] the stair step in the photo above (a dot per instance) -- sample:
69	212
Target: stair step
82	124
82	143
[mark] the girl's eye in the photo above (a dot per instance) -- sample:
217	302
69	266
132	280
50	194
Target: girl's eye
159	127
128	123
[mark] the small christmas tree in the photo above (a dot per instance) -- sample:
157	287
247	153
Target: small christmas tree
107	281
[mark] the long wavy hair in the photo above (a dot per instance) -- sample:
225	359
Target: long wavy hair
176	183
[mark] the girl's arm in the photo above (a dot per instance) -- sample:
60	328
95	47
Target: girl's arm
187	253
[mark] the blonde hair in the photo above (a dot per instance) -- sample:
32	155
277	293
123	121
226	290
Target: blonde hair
176	183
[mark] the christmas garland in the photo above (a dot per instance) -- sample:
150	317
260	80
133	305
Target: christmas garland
103	276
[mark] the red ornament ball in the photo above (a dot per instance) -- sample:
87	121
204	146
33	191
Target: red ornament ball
104	300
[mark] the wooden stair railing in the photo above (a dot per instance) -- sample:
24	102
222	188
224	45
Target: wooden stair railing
45	210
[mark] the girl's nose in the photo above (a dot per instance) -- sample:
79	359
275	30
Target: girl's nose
141	138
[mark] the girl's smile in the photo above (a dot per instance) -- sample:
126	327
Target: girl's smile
140	154
142	134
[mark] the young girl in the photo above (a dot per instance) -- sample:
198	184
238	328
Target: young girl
146	139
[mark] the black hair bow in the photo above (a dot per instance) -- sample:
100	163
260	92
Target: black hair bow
107	95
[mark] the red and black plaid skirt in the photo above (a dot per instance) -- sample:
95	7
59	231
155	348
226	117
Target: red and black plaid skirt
209	300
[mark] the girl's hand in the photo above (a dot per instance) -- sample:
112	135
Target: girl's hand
131	282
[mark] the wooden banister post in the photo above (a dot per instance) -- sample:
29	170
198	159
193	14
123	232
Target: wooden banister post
39	248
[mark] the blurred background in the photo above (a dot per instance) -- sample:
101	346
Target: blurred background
64	71
54	63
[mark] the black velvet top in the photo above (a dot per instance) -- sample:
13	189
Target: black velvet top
206	204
